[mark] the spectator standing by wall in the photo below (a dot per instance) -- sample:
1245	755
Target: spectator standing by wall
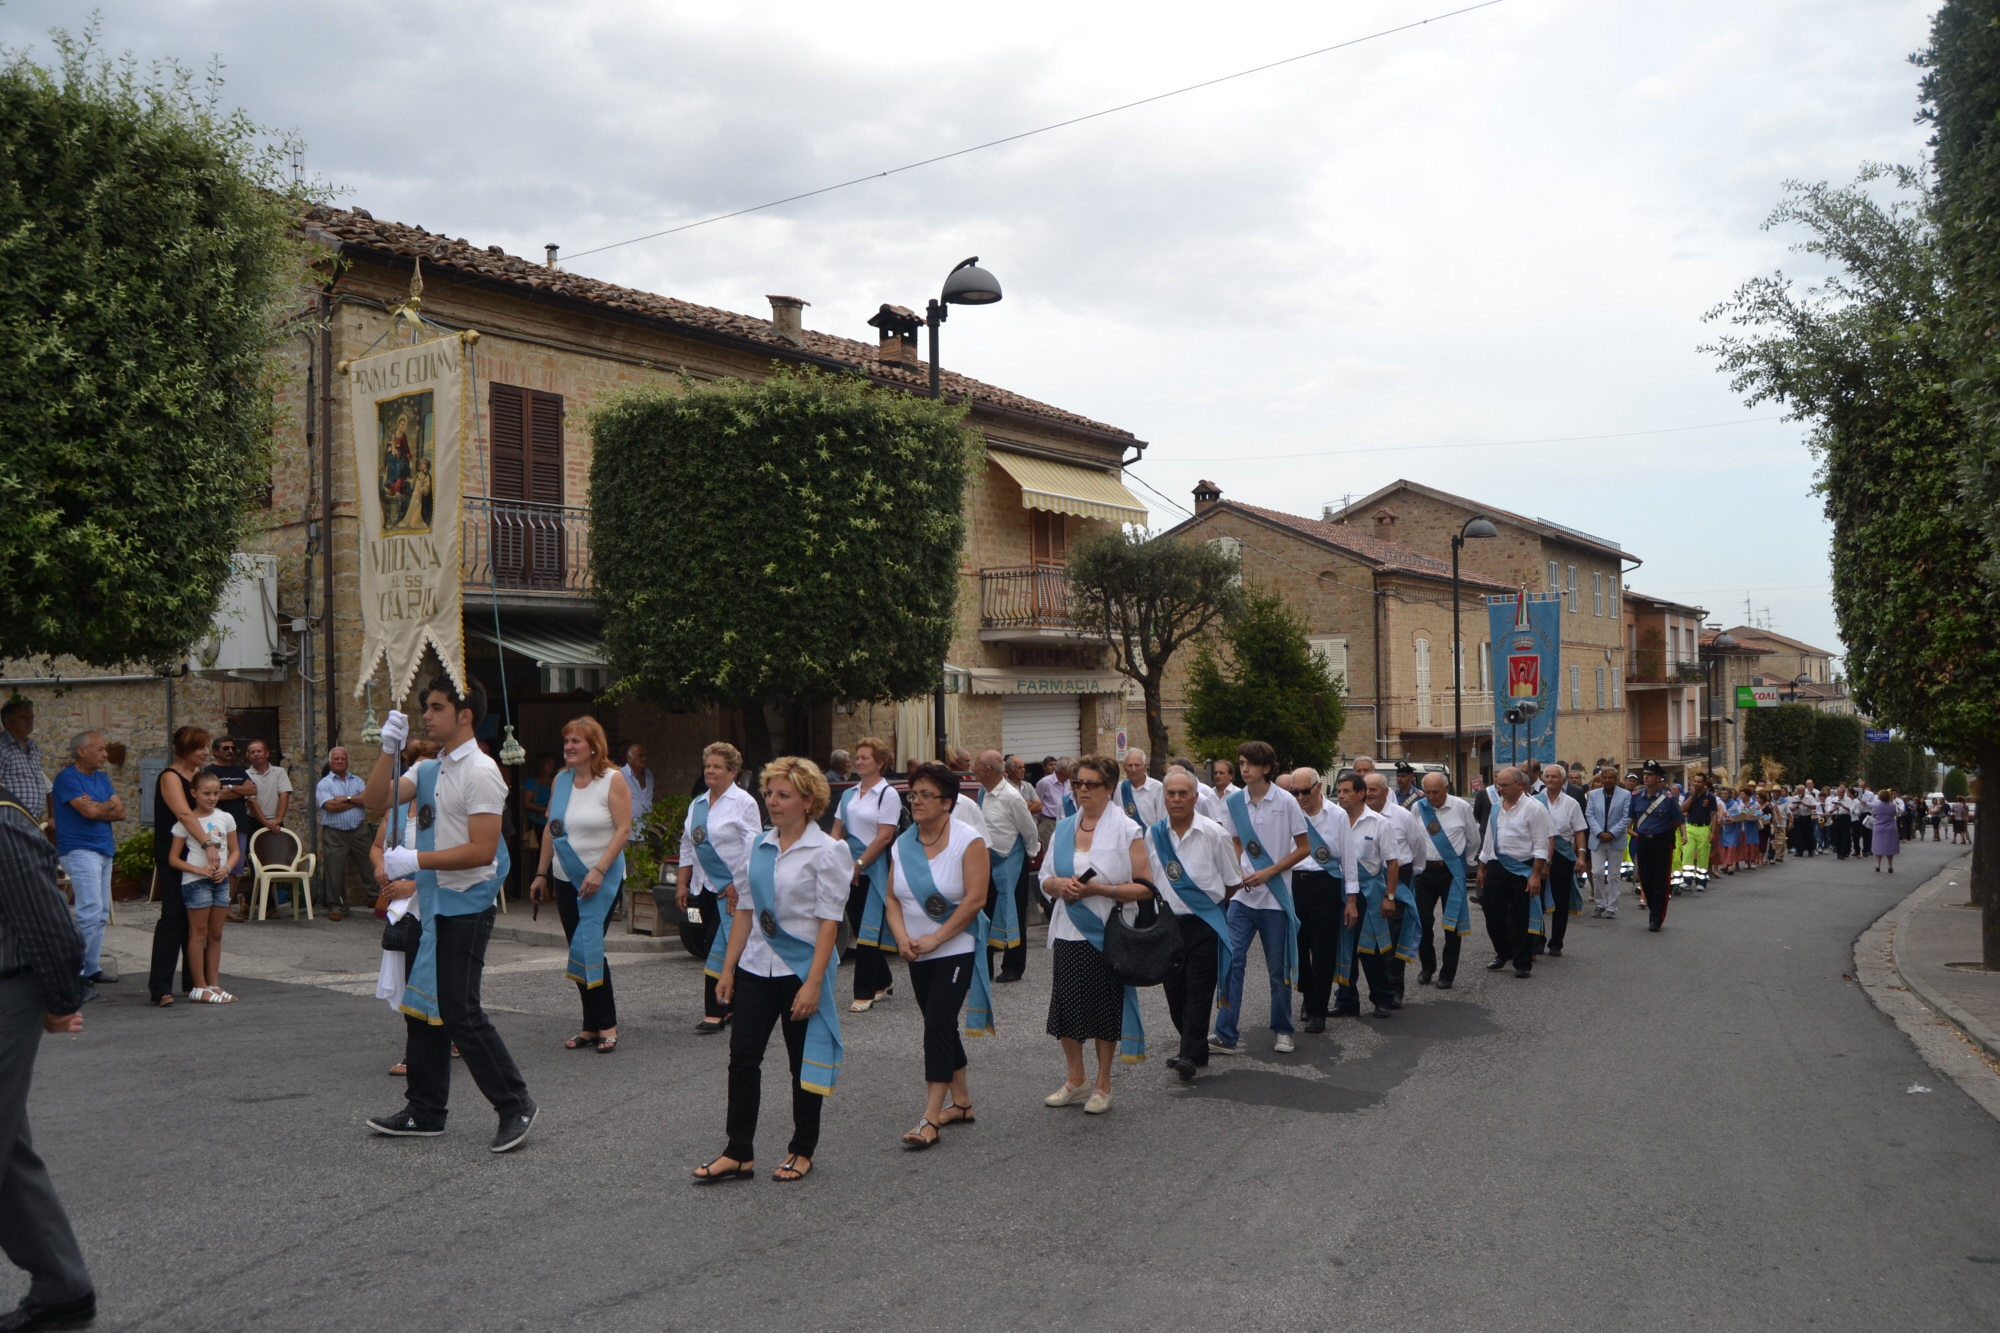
343	841
273	798
85	808
20	758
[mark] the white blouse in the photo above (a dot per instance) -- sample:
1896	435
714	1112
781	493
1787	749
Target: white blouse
587	823
871	809
1110	855
948	873
809	886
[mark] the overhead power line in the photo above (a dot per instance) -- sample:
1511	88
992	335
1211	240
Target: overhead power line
1029	134
1481	444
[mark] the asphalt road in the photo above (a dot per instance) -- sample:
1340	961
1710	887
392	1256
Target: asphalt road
1706	1128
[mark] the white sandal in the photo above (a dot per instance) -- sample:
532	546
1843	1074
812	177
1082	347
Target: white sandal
210	995
860	1006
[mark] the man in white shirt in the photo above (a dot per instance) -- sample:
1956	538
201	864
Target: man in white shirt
1198	871
1214	799
1006	826
722	825
1140	795
1447	823
1512	866
1367	857
1270	836
1567	828
1318	899
460	877
1412	855
639	780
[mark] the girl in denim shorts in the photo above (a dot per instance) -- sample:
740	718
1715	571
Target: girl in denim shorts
204	868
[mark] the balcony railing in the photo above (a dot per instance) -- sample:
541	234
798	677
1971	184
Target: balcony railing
511	544
1027	597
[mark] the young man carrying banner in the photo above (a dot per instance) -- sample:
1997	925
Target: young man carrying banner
458	865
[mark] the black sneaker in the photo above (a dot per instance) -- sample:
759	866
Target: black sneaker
514	1128
404	1124
31	1313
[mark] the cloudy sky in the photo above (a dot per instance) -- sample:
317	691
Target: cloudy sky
1382	262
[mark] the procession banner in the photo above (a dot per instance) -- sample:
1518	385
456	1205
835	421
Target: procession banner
409	414
1527	665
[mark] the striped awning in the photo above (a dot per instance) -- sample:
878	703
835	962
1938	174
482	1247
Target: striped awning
548	644
1064	488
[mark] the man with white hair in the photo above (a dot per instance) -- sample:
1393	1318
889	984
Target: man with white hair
1412	853
1011	842
1318	897
1197	859
1213	801
1140	795
1512	866
1566	826
1454	837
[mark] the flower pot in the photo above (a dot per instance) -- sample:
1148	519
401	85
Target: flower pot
126	889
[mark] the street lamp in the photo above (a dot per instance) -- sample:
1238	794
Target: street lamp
966	284
1721	643
1476	527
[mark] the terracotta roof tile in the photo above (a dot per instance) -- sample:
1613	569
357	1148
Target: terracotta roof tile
443	255
1387	556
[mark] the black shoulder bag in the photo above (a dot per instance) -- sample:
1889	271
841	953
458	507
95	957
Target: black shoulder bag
1148	953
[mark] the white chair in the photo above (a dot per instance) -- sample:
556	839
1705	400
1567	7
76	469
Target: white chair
277	858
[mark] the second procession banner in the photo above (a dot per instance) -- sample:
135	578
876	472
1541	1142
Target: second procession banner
1527	665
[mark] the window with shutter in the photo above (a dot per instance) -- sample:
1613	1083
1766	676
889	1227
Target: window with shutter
1597	593
1555	577
1485	683
1600	689
1048	538
1573	602
1614	689
1334	649
1423	682
527	529
1575	687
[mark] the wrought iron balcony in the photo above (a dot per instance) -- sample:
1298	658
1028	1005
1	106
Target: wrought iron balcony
1029	597
514	545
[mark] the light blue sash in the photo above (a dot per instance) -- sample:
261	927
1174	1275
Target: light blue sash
1133	1047
1001	908
434	900
1203	906
1561	842
586	945
923	888
1521	868
1374	884
1457	911
821	1065
871	932
1128	801
1260	857
1069	805
720	878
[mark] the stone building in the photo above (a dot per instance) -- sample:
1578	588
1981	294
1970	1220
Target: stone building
1379	611
550	344
1542	556
1665	686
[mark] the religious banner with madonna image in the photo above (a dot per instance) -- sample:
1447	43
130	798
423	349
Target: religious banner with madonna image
409	408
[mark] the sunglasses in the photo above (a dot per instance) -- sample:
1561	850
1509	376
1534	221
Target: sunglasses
1087	784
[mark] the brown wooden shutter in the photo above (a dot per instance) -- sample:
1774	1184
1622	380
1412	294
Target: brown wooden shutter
545	441
509	409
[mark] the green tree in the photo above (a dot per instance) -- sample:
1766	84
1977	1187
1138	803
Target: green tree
1274	688
147	253
1782	735
1956	784
795	540
1148	597
1835	756
1888	764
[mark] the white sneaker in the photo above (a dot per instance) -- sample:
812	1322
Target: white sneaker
1217	1046
1285	1044
1066	1095
1099	1103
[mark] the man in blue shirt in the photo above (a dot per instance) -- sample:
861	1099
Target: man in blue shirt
343	834
1656	817
85	809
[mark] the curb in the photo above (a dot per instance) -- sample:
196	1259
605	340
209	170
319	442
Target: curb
1897	916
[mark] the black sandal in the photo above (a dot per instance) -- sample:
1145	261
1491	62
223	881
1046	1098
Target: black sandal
708	1027
580	1040
790	1164
708	1175
606	1045
964	1115
915	1140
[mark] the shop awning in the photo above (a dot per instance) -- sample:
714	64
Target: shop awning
1044	680
566	656
1064	488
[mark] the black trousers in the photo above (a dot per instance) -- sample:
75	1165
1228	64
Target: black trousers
713	908
461	960
1191	990
1014	962
763	1003
34	1230
1504	900
1433	888
1653	855
1843	835
600	1010
170	936
1319	899
871	965
939	985
1555	924
1864	836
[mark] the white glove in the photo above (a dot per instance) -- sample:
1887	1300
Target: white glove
395	732
400	862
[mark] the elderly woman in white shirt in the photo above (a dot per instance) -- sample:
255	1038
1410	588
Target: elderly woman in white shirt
787	918
590	810
1096	860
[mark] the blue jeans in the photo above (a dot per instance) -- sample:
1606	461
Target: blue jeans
1244	922
90	879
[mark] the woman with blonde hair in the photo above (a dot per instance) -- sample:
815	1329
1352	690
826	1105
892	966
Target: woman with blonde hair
779	970
867	822
590	818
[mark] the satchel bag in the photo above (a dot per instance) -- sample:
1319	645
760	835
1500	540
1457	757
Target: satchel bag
402	934
1147	953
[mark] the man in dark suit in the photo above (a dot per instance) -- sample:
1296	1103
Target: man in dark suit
40	991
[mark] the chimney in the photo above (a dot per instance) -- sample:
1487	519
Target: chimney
1206	495
899	325
1385	524
788	318
551	249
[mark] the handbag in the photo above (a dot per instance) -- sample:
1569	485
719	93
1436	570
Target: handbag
402	934
1147	953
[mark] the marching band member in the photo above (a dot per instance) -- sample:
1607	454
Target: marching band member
715	853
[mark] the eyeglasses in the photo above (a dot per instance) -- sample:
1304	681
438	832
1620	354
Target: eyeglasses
924	794
1087	784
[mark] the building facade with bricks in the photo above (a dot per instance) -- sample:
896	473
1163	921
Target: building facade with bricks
1666	687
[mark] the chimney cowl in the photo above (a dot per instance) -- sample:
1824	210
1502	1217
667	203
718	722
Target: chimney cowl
551	249
1385	524
1206	495
788	318
899	325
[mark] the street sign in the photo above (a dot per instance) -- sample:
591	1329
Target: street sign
1122	746
1756	696
1876	736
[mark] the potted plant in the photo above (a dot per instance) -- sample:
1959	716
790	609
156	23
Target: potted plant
131	867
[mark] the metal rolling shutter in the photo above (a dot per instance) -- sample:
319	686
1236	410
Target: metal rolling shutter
1040	725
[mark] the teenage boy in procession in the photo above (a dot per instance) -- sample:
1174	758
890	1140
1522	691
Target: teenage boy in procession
458	878
1270	834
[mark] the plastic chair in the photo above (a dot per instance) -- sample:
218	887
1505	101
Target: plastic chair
277	857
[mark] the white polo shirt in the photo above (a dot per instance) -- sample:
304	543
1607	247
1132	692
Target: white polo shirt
1522	833
1276	821
1410	837
1369	844
1456	820
468	783
1331	822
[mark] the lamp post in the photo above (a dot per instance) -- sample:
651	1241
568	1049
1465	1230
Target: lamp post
1720	644
1476	527
966	284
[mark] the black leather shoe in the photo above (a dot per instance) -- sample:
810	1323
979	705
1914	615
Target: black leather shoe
1395	1002
31	1313
404	1124
1496	964
1524	972
708	1027
1384	1011
1185	1068
1315	1025
514	1128
1444	983
1555	951
1004	977
1653	925
1346	1013
1423	978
